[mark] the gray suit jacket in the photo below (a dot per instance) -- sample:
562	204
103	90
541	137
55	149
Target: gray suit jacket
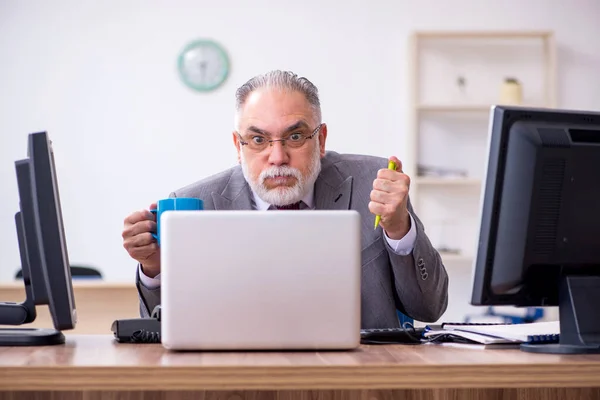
415	284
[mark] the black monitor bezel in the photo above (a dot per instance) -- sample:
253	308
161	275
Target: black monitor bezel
51	237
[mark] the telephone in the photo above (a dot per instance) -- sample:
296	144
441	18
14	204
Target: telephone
138	330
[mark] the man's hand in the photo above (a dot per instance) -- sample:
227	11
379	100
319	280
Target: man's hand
139	243
389	198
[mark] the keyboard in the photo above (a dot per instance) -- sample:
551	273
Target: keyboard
391	335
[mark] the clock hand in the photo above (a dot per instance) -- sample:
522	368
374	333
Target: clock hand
203	69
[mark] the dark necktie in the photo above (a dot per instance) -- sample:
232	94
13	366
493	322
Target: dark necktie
293	206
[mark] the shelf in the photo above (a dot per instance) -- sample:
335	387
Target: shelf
454	108
455	257
466	108
447	181
484	34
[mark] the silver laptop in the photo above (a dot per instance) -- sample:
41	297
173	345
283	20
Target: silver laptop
260	280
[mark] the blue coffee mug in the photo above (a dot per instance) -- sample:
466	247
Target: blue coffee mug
174	204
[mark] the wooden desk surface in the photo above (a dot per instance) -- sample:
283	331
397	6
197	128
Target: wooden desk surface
97	362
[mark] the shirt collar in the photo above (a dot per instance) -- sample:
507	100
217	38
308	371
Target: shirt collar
262	205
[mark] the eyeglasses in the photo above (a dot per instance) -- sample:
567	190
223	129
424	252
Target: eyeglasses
294	140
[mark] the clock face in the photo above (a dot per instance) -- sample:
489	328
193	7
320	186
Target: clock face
203	65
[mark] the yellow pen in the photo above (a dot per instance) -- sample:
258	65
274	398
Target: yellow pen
392	166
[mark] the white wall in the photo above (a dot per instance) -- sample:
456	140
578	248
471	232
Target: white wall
101	78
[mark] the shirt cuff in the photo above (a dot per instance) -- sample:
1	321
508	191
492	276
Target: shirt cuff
149	283
404	246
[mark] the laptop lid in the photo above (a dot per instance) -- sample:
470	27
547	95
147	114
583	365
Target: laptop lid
260	279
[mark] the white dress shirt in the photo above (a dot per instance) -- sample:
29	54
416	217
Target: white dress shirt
402	246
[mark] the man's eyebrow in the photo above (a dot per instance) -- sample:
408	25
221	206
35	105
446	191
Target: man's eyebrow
297	125
255	129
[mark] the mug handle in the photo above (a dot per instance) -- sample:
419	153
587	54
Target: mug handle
154	235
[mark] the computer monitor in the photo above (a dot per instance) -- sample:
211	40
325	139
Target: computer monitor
539	242
43	251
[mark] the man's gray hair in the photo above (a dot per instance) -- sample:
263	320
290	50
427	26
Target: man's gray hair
286	80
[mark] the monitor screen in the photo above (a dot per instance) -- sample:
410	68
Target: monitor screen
43	251
539	241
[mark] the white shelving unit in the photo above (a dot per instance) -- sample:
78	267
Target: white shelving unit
446	181
424	108
455	78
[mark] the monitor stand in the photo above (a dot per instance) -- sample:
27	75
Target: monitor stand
19	314
30	337
15	314
579	312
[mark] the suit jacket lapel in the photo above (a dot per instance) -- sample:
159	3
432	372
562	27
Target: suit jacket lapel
332	189
236	195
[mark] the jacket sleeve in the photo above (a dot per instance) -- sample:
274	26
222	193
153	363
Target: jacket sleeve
420	278
149	298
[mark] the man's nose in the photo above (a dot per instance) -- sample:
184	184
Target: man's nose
278	153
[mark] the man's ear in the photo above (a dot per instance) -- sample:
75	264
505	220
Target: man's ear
238	146
322	139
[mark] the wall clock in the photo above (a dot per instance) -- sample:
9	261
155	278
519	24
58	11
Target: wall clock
203	65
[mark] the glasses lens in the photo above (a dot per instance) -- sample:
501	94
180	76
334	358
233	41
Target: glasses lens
257	146
295	141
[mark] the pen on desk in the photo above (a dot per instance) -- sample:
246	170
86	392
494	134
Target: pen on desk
392	166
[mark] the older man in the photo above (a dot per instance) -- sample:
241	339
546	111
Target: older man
280	142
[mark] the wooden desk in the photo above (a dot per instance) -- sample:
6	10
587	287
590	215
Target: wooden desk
98	305
95	367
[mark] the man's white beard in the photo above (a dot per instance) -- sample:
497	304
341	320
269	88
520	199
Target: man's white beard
284	195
